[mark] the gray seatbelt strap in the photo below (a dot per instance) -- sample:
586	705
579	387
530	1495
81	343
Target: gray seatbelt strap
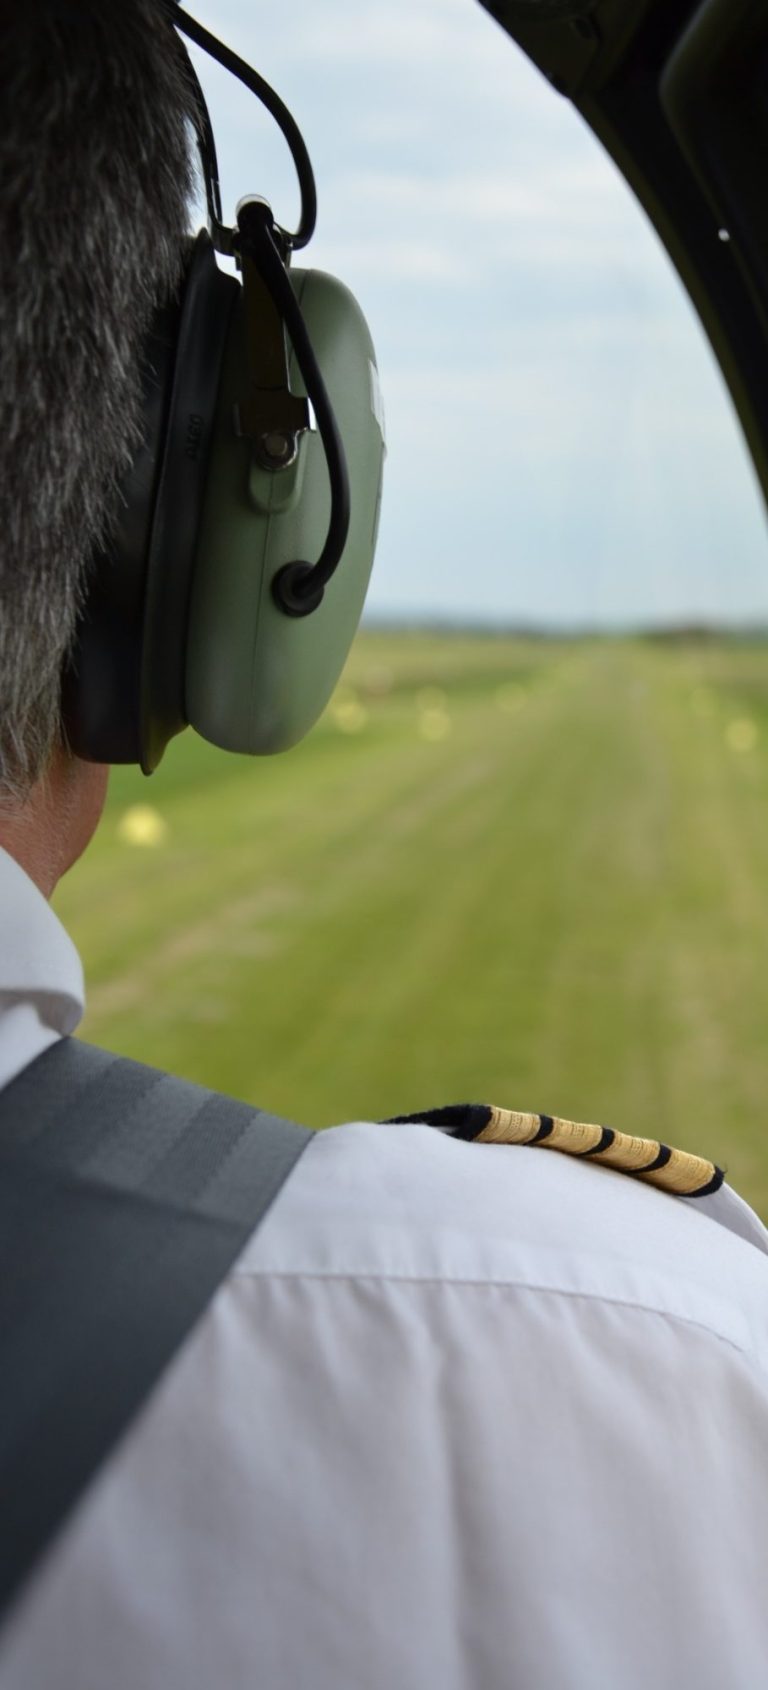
125	1196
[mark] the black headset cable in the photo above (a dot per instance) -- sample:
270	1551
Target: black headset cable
287	124
298	587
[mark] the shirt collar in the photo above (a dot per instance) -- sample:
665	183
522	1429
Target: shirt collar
38	961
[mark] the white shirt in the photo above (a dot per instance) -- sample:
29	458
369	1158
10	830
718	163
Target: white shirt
463	1417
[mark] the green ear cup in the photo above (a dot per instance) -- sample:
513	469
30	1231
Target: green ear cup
257	679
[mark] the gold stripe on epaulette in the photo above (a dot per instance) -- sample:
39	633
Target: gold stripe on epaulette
506	1126
685	1175
648	1159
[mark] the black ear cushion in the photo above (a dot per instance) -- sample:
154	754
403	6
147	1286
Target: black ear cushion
209	298
122	693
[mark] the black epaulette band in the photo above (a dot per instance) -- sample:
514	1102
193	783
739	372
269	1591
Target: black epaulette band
676	1171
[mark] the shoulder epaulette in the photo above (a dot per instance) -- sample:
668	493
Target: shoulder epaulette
647	1159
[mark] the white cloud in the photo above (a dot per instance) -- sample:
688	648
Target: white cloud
398	260
428	39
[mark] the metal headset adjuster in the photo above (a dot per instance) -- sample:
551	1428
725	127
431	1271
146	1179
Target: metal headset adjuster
268	414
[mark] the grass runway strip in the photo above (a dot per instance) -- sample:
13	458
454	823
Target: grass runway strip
529	872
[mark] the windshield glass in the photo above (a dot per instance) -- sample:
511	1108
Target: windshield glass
561	447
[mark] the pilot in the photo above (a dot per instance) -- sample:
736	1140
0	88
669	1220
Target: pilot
484	1400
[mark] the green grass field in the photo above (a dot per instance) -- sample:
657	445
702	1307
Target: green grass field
529	872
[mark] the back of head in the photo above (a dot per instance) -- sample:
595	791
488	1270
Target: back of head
94	185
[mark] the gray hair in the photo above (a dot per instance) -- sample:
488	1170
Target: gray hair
95	182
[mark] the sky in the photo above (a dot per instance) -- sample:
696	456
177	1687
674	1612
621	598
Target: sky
561	448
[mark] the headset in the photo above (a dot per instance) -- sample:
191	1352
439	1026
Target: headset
234	581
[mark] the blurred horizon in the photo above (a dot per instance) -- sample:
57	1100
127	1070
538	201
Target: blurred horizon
417	622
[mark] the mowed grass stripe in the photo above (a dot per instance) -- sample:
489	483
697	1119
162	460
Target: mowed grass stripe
561	905
715	914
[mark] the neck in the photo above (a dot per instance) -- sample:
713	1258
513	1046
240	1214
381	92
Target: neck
49	831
